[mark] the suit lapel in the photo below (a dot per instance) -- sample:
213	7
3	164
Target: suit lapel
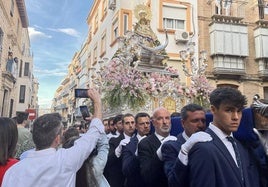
155	142
180	138
133	144
222	148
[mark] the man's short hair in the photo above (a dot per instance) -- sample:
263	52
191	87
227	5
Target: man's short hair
45	130
126	115
157	110
190	108
110	121
175	114
227	95
117	118
21	116
69	133
140	115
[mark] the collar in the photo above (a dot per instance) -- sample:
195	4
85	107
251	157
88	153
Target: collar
218	131
126	136
184	135
140	137
20	125
160	138
44	152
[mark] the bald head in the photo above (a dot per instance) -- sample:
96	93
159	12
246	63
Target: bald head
161	121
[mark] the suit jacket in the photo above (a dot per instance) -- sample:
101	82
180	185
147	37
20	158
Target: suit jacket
131	165
113	169
211	165
151	168
175	171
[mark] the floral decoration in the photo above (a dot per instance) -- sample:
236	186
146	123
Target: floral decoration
199	90
124	84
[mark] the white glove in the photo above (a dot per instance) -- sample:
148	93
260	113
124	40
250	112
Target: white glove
263	139
118	149
187	146
159	152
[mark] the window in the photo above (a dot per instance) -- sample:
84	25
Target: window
173	24
266	8
23	48
12	8
125	17
125	20
26	69
1	40
103	43
104	9
115	30
96	24
89	36
89	60
18	26
95	55
11	107
20	66
22	94
229	39
265	63
174	17
265	90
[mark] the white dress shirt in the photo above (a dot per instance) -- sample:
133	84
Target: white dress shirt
51	167
222	136
110	135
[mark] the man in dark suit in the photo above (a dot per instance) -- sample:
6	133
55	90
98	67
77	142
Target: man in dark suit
151	167
130	162
113	168
193	120
223	162
116	127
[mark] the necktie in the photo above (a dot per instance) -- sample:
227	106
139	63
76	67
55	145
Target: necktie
237	155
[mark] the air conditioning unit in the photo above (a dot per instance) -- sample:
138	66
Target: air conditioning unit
112	4
181	36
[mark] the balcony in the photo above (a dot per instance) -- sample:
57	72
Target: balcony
72	85
60	107
65	93
228	46
263	69
8	77
229	67
229	39
261	39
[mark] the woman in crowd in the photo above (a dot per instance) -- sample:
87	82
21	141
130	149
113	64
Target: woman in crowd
8	142
91	172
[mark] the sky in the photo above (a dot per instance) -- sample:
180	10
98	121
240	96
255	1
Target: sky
57	29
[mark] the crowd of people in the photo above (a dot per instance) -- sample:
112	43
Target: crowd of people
138	150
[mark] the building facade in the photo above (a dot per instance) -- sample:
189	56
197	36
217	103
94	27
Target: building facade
18	88
234	34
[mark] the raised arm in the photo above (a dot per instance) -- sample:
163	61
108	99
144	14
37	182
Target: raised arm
94	95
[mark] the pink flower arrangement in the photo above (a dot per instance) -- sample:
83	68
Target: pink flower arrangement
124	84
199	90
